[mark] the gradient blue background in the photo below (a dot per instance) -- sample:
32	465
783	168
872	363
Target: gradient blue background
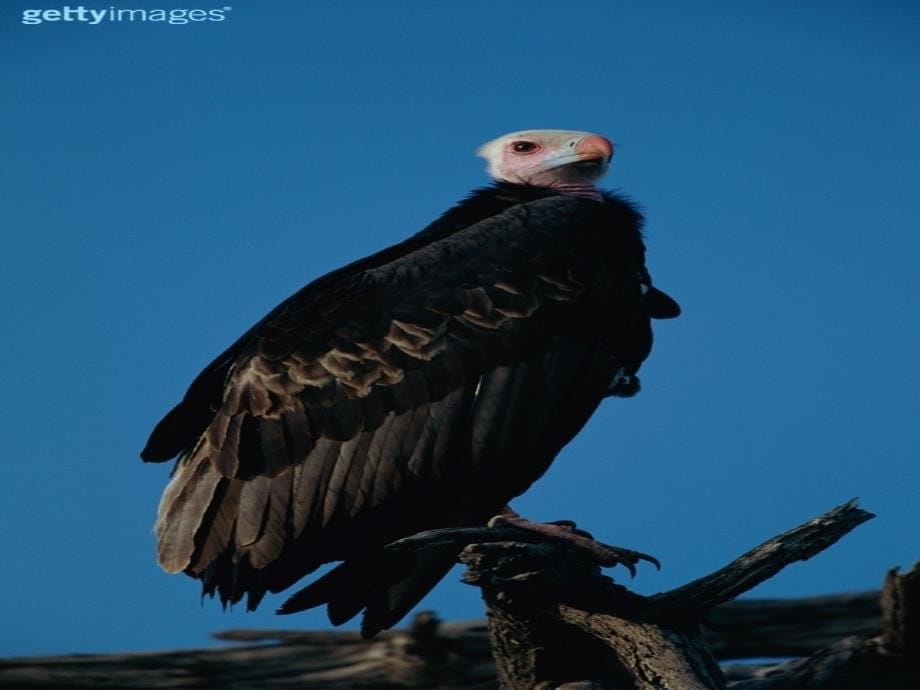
162	187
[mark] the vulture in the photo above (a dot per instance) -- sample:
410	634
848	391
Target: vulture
419	388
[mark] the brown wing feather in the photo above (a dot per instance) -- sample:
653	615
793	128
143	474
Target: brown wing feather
221	520
252	510
182	512
275	532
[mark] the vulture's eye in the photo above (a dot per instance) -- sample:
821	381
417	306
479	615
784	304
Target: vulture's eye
524	147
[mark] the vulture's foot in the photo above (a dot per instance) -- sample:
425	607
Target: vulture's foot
566	532
510	528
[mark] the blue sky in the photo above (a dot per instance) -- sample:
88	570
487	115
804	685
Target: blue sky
162	186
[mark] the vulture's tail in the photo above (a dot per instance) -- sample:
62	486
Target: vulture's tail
386	585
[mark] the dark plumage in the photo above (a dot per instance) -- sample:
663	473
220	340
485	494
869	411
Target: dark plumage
421	387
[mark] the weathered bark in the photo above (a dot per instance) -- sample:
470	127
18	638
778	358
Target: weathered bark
556	620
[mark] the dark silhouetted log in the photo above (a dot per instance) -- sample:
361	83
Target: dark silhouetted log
426	655
763	628
887	661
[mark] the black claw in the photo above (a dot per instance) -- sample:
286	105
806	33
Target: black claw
626	557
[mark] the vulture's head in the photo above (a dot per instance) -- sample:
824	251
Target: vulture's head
548	157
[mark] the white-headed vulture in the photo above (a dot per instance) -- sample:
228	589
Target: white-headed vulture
421	387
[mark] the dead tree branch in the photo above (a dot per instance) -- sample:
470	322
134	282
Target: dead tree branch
557	621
